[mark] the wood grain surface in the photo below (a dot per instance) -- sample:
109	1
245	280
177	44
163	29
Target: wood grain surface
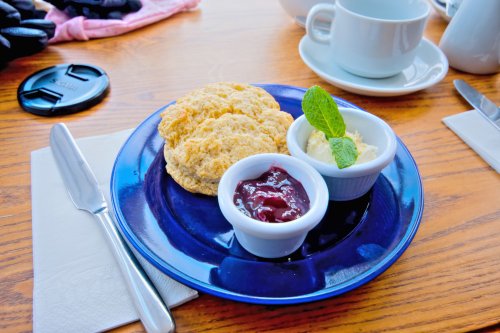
448	280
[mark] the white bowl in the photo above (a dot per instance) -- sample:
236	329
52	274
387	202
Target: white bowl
440	8
354	181
298	9
264	239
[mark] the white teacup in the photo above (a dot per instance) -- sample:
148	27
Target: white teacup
371	38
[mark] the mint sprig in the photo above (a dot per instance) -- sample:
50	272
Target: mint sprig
323	114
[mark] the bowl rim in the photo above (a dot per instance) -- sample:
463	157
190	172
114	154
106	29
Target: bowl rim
356	170
266	230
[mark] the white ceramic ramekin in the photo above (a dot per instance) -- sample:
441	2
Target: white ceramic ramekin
354	181
272	240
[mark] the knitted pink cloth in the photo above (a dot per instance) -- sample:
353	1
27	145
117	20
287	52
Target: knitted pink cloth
81	28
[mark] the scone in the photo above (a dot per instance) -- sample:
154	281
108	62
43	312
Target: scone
209	129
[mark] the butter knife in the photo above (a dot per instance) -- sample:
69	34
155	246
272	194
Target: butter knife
84	191
481	103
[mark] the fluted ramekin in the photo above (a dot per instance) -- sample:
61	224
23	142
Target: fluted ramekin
354	181
264	239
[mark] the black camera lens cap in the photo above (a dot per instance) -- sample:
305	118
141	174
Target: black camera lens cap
63	89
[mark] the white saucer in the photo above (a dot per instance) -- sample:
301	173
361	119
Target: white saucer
430	67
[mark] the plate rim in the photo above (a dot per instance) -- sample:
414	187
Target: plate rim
325	293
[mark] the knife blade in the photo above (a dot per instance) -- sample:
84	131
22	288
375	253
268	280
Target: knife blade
85	193
481	103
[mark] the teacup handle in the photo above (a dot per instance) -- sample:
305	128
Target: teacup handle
313	33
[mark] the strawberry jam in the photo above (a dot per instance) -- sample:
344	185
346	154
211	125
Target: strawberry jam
275	196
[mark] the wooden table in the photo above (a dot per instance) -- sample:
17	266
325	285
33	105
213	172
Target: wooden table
447	280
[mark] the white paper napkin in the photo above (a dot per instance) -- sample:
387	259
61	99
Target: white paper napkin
479	134
78	286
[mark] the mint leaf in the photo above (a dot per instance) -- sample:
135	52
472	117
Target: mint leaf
344	150
322	112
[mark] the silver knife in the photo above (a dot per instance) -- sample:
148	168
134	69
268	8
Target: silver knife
481	103
86	195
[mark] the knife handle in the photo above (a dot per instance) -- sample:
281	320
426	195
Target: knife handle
153	313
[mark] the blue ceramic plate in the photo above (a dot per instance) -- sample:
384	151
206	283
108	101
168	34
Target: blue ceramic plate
185	235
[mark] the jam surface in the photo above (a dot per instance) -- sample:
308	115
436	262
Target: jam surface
275	196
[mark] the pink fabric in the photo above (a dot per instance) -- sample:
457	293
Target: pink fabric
81	28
